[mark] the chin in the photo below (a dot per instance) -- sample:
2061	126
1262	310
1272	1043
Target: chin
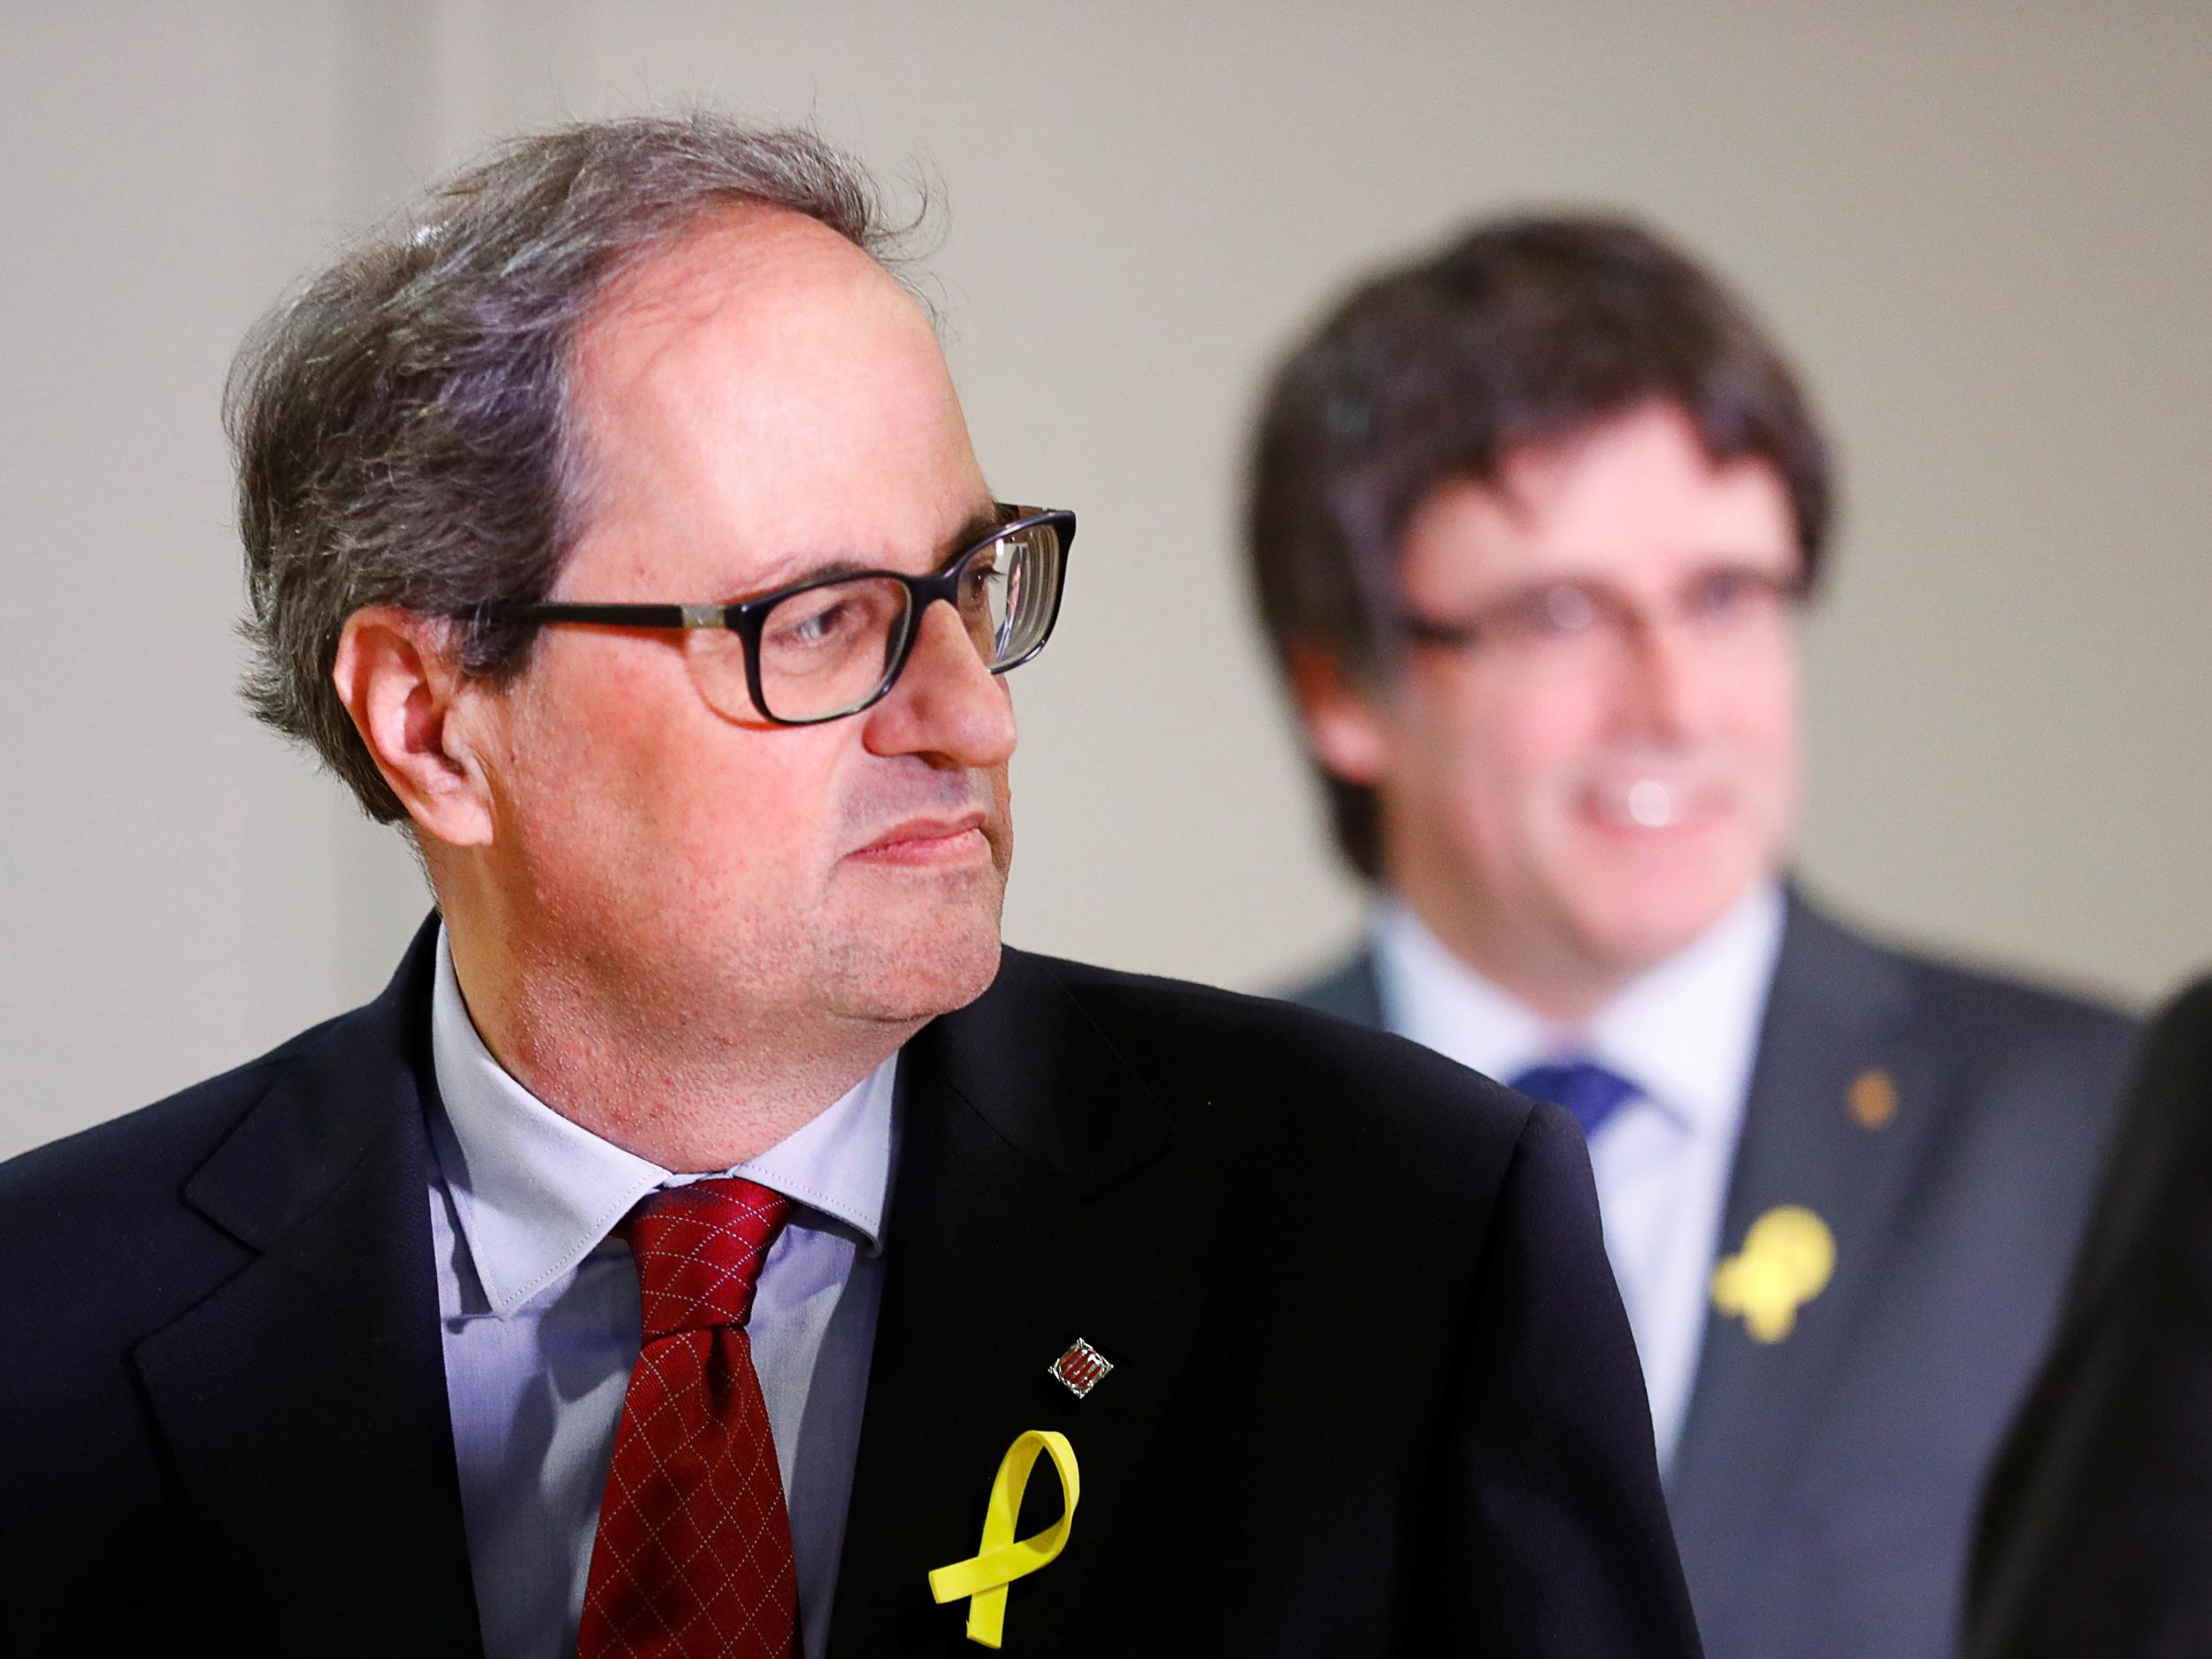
921	965
1641	925
945	979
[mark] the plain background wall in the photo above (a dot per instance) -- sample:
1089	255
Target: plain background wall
1982	229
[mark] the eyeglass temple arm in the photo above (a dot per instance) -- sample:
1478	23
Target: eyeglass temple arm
1428	631
617	616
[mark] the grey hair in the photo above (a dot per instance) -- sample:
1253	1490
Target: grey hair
402	425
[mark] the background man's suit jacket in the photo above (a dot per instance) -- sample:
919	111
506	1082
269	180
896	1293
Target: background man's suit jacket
1373	1389
1823	1487
2096	1533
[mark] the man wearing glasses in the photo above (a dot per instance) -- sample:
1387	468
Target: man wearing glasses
1531	523
712	1242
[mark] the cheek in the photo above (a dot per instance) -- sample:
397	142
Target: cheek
1768	738
1510	758
750	828
635	792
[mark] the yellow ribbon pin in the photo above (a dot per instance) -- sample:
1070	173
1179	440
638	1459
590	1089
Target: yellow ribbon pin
1786	1259
984	1576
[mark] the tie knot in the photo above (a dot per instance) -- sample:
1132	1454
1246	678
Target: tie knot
1588	1090
699	1249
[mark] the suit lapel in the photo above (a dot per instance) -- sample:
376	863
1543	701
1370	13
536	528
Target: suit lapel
303	1402
1037	1201
1838	1013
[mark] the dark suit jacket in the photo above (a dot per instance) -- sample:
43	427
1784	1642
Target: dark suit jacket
1373	1391
2096	1531
1824	1487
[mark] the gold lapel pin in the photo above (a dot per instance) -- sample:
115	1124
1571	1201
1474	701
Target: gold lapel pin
1873	1098
1787	1257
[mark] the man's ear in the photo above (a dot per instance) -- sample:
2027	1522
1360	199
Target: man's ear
396	676
1343	721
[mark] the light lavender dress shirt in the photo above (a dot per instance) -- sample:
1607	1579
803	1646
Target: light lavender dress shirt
539	1315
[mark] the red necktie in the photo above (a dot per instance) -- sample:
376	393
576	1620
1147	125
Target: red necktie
693	1555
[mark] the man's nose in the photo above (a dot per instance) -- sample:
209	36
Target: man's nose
1663	676
946	703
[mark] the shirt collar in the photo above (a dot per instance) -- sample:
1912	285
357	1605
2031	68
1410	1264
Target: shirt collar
1432	996
1685	1031
533	1194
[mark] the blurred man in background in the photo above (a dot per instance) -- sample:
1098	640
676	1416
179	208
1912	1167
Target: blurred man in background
1531	522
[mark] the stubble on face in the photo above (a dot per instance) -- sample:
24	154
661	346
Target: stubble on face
902	931
673	925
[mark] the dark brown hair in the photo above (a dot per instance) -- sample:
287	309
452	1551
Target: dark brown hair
401	425
1522	332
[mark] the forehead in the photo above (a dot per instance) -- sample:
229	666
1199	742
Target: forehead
1634	497
763	395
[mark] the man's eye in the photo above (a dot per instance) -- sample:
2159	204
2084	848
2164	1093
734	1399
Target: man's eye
979	582
1725	595
1553	613
815	625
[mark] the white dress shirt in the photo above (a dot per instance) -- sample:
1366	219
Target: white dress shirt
539	1310
1686	1034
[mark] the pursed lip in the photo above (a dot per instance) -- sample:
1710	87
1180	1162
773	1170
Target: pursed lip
928	837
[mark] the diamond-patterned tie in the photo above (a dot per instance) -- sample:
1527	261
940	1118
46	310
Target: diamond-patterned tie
1589	1091
693	1555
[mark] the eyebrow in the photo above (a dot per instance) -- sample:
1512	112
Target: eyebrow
1530	590
979	524
1702	563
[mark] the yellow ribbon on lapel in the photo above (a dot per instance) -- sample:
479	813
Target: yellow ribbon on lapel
1787	1258
984	1576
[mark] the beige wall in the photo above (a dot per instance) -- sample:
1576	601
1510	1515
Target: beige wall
1983	228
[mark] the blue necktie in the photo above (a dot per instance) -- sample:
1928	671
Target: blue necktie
1590	1092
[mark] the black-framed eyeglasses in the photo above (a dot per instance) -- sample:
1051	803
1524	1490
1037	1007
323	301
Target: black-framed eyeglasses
833	646
1724	606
